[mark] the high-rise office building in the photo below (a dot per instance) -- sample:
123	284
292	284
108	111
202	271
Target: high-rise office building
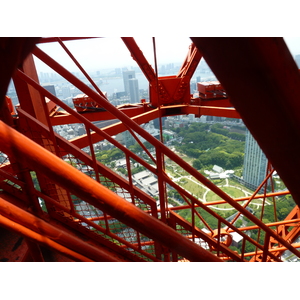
127	75
255	163
214	119
134	90
50	88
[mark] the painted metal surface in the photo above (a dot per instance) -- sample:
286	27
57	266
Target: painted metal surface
98	205
265	69
67	176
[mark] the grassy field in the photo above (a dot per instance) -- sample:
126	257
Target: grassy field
232	192
173	169
193	188
235	183
198	191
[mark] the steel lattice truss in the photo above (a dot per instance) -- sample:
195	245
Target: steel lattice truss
83	210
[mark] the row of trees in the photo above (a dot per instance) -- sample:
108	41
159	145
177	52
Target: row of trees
108	156
219	128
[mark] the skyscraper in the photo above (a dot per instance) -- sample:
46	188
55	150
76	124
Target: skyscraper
127	75
255	163
50	88
134	90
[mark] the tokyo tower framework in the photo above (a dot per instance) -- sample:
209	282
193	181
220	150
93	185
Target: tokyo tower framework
61	201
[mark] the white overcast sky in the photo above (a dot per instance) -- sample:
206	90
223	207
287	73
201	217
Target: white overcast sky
105	53
170	22
111	52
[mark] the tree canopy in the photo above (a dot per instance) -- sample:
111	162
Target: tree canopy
212	145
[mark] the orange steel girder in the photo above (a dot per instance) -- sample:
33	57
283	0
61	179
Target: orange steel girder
160	88
49	95
263	87
66	176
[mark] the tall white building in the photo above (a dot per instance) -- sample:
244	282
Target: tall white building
255	163
134	90
127	75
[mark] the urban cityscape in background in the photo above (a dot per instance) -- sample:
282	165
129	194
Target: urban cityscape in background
128	86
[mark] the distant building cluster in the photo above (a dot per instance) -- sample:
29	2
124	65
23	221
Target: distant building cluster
127	139
255	162
182	120
70	131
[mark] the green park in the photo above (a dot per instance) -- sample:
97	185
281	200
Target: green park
203	146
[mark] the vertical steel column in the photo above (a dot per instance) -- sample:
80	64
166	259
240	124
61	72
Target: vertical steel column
262	80
33	102
159	154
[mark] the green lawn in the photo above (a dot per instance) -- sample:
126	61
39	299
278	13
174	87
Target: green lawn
235	183
174	169
192	187
232	192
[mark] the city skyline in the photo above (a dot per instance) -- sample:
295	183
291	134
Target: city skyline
110	53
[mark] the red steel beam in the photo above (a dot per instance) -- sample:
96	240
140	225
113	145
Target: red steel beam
286	222
92	192
13	52
66	118
35	251
139	115
90	222
190	63
281	249
199	110
114	129
80	67
37	229
137	111
140	59
201	234
262	81
236	199
125	119
82	119
66	147
40	238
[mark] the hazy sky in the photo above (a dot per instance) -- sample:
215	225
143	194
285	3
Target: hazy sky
294	44
104	53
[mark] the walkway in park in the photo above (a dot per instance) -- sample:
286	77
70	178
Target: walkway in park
204	199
